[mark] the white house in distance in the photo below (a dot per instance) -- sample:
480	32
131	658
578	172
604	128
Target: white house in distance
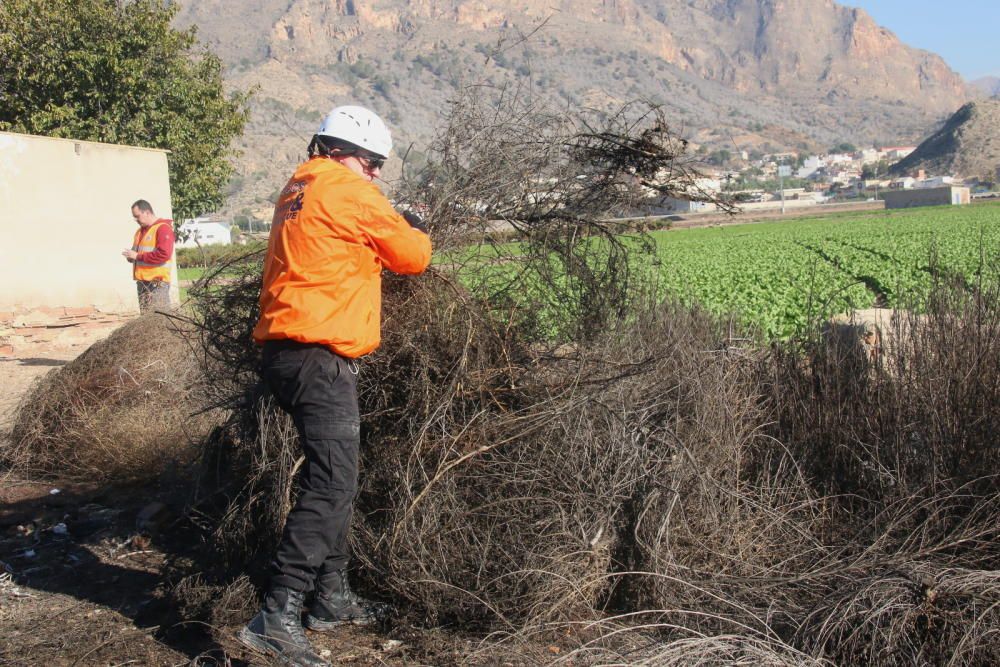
670	205
196	232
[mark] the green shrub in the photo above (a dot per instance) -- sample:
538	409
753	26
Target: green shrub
212	255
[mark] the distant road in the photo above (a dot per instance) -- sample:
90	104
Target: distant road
689	220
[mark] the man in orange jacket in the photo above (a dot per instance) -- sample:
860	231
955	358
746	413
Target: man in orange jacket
152	257
332	233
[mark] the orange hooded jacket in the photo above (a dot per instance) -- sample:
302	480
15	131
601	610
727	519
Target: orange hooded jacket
331	235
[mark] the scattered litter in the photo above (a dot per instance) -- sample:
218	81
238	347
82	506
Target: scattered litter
53	492
28	553
7	587
116	546
325	653
59	529
391	645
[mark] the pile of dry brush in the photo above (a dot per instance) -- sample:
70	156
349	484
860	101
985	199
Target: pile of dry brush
126	409
558	459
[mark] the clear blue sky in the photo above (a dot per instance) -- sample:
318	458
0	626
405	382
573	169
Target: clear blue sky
966	33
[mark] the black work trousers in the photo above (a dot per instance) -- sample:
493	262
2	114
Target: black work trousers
319	389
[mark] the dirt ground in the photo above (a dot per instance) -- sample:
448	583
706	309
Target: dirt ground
82	569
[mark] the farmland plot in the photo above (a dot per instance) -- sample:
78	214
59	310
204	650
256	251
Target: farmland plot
780	276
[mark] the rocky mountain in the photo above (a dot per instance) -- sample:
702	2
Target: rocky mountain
735	74
988	84
967	145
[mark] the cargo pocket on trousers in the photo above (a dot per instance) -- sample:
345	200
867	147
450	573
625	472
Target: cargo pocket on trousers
334	454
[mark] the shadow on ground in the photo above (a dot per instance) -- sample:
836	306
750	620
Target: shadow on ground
85	583
38	361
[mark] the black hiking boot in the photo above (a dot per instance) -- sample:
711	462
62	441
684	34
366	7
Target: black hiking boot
277	630
337	604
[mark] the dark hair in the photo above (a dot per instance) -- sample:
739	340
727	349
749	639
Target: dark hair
325	146
142	205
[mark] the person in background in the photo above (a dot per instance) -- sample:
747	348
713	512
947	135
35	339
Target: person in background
152	257
332	233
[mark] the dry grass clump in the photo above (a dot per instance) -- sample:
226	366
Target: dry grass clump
860	522
513	500
920	415
122	410
637	639
219	606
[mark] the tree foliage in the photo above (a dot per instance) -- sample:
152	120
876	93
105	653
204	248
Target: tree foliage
844	147
115	71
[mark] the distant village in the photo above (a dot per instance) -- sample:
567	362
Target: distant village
791	180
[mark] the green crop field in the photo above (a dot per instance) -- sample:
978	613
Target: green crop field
781	275
190	273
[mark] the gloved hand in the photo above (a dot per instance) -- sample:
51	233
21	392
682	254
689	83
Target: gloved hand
415	221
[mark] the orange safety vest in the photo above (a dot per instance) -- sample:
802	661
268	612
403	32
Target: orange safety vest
331	235
145	241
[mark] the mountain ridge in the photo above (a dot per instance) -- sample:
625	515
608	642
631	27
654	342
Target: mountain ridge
988	84
745	74
967	145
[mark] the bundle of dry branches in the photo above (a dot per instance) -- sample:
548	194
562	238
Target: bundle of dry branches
123	410
463	390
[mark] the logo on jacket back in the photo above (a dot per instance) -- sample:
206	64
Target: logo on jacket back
288	206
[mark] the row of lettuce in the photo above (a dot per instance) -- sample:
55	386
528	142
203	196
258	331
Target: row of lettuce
782	276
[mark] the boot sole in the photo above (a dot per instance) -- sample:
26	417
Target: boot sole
254	642
316	625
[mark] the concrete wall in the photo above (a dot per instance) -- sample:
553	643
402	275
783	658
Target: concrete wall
65	218
670	205
945	196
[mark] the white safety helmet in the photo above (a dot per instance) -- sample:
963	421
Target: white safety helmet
360	126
